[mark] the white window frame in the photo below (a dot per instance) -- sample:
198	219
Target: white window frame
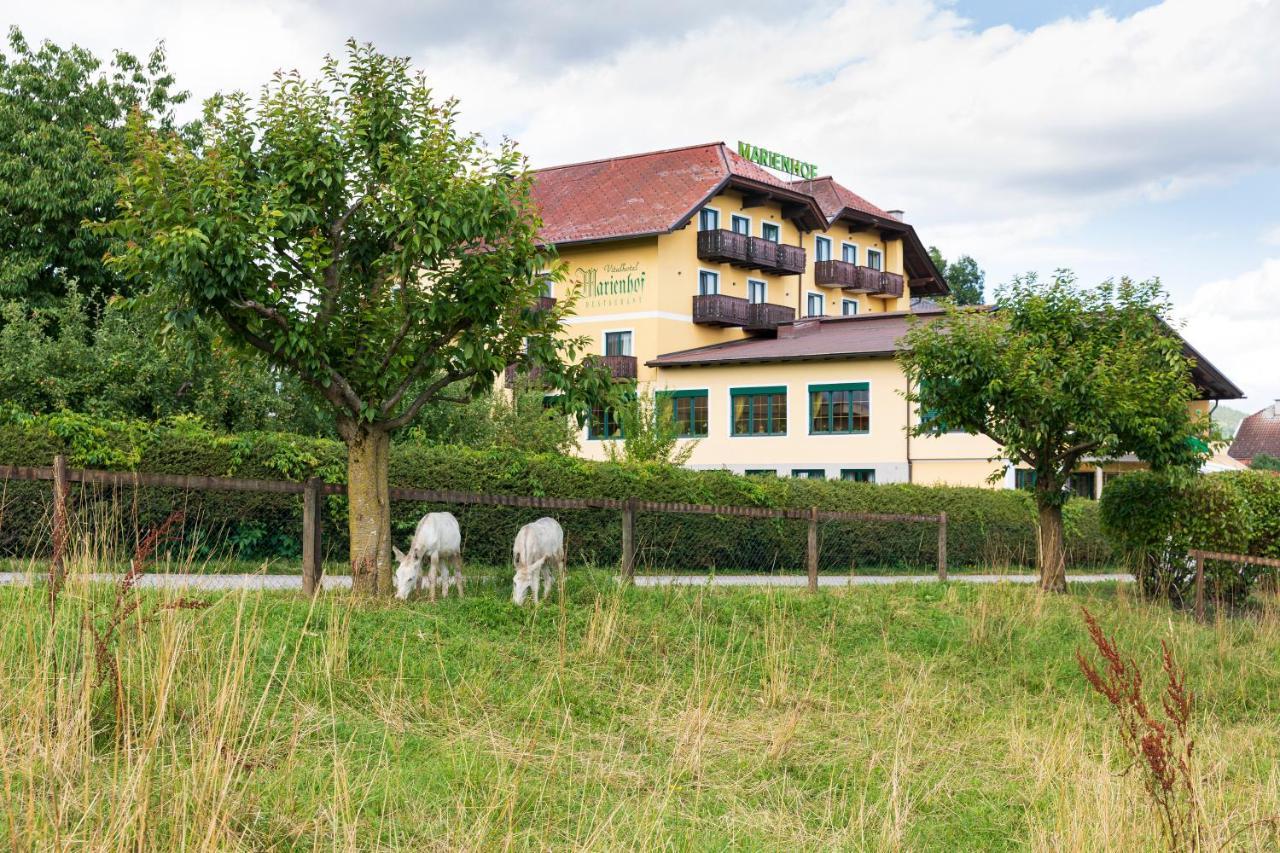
818	240
846	302
774	225
764	290
808	303
715	273
743	216
714	210
879	254
846	244
631	340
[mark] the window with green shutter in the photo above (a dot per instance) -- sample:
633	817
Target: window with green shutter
687	411
759	411
840	409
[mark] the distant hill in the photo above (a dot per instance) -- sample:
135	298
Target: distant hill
1228	419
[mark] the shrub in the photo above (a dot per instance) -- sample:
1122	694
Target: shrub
986	527
1153	521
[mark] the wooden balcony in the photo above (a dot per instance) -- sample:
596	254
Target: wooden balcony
836	274
857	279
788	260
765	316
619	366
718	309
724	247
730	247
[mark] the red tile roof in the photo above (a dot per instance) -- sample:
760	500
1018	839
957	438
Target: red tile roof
1258	433
834	197
645	194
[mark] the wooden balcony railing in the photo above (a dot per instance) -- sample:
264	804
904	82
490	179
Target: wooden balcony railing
718	309
762	253
857	279
619	366
721	246
789	260
544	303
765	316
516	373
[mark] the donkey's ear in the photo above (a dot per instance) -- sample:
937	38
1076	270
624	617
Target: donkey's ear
399	554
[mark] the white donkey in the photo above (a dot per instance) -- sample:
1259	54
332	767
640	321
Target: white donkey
438	538
539	545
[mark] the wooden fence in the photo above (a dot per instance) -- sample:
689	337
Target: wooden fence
1201	556
312	517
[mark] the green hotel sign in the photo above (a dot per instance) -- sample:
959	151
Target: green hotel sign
774	160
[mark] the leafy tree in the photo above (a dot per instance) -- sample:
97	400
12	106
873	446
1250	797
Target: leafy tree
649	432
1057	374
112	361
1265	462
50	182
965	278
346	229
515	420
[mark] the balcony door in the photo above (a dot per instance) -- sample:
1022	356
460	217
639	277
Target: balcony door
849	253
771	232
617	343
822	248
708	219
708	282
757	291
741	225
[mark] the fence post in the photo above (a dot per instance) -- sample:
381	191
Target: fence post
629	541
1200	587
942	546
813	549
61	490
312	527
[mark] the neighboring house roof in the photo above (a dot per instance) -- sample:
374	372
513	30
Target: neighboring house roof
877	336
1258	433
643	195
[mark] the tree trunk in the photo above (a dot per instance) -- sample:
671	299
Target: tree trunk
1050	550
368	449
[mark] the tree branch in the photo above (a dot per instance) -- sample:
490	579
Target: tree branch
418	369
428	395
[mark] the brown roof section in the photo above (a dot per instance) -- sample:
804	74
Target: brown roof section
835	198
876	336
653	193
1258	433
810	339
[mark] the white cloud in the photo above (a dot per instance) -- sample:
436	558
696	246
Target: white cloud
1271	236
1235	323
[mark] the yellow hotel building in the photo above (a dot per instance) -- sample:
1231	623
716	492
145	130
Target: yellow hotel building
768	309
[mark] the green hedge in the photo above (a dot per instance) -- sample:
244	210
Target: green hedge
987	527
1152	521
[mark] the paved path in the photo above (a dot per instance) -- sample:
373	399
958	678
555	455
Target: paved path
181	581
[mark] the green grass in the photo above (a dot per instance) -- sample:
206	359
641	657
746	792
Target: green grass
942	717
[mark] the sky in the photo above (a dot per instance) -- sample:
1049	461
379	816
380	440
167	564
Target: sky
1110	138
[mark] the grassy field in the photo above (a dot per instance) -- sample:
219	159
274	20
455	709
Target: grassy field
941	717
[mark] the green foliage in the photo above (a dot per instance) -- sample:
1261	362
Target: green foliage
513	420
1152	520
649	433
1265	462
963	275
113	361
50	179
1057	374
347	229
988	528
